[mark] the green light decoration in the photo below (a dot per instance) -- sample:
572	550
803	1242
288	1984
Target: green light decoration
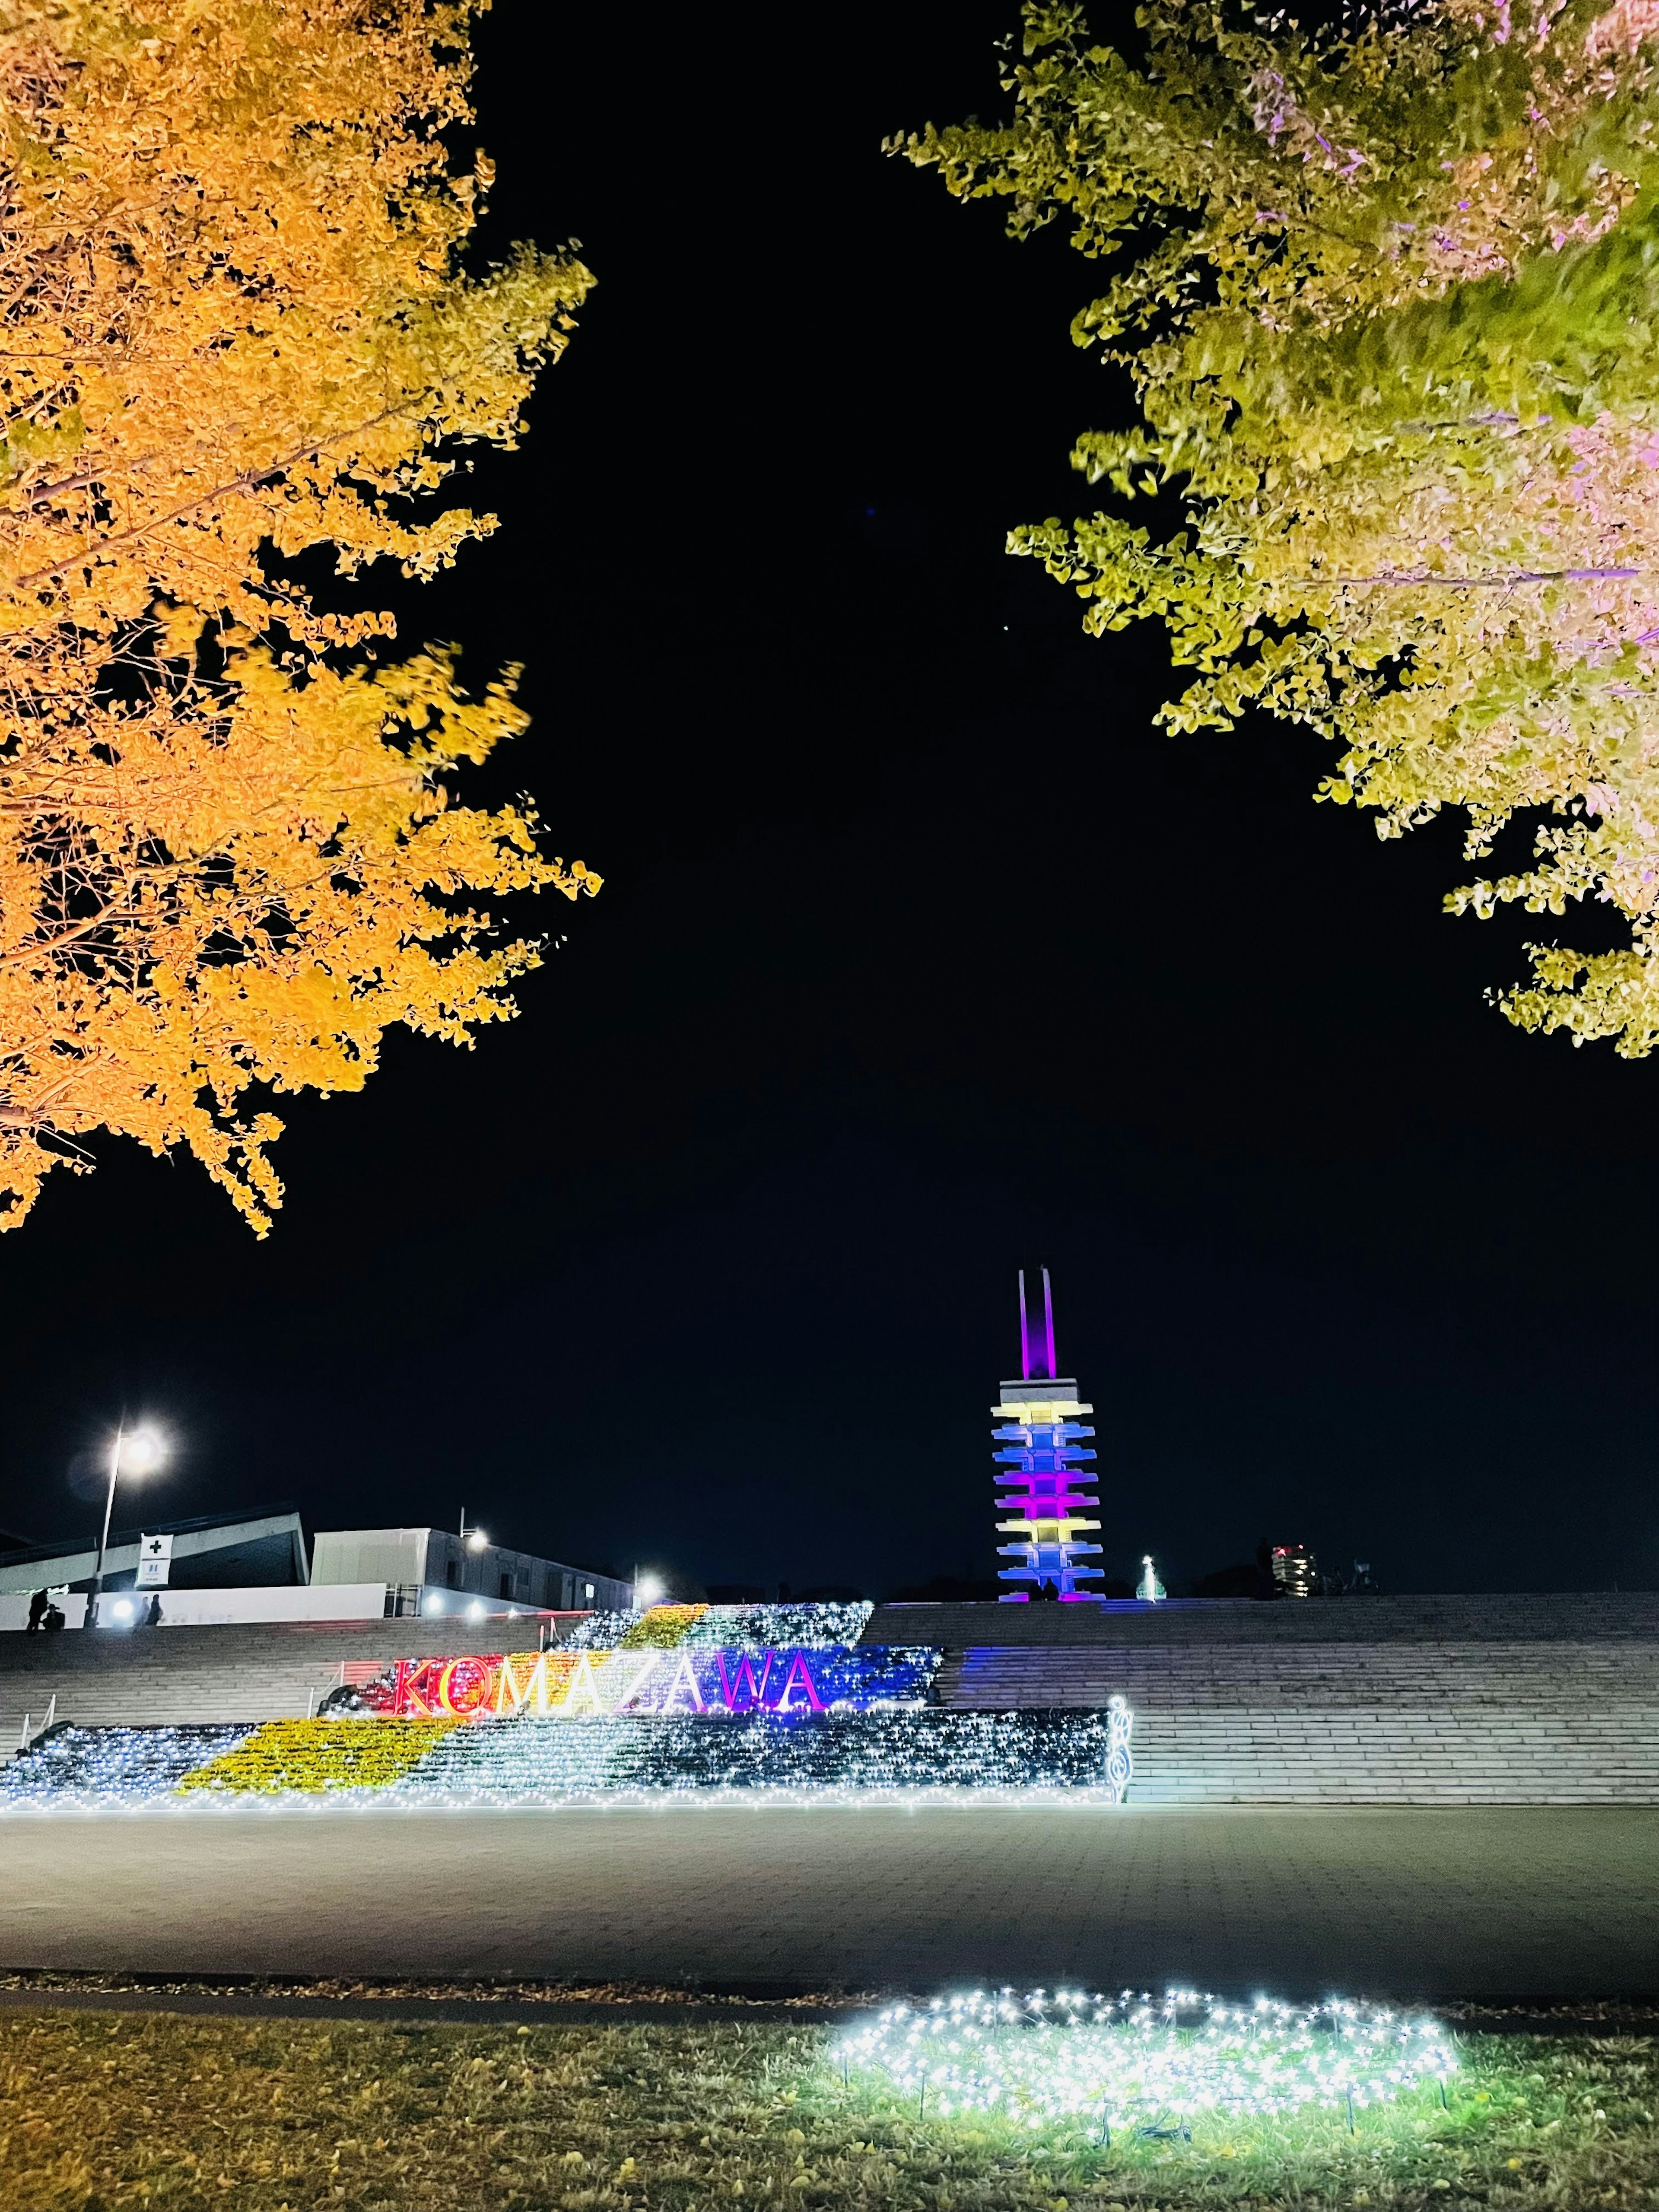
1141	2062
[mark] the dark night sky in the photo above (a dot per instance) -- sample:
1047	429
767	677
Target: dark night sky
921	955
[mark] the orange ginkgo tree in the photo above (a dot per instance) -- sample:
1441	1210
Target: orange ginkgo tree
235	327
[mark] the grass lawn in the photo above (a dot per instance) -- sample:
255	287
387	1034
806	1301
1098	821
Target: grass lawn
104	2110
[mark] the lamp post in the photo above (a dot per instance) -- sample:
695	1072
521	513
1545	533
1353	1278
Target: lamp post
472	1539
139	1451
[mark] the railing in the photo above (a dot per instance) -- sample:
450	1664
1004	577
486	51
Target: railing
27	1734
348	1670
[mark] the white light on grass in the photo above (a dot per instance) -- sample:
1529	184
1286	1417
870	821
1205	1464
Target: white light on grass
1138	2061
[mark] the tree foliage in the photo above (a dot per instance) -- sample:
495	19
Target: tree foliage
235	329
1389	295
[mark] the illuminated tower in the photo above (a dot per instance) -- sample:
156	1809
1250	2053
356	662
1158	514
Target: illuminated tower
1040	1467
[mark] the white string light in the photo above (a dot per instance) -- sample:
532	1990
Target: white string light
737	1627
904	1756
1138	2060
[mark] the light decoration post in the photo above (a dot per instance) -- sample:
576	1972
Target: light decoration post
1138	2061
1040	1467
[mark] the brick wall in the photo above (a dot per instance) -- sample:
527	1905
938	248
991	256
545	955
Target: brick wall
1409	1723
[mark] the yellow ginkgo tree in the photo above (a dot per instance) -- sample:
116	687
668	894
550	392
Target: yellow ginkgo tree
1386	285
235	327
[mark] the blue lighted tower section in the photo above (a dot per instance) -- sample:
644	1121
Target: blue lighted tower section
1040	1467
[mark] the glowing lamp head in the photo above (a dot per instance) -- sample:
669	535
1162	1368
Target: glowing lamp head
476	1539
435	1605
647	1591
141	1452
474	1611
123	1608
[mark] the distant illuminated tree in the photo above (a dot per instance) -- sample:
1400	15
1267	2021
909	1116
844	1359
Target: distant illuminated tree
1391	309
234	329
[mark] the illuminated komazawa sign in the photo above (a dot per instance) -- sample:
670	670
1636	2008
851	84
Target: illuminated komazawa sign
556	1685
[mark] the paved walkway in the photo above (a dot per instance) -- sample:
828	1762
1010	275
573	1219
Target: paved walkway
1415	1903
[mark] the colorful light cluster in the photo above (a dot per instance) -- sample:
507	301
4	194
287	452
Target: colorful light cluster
74	1769
1134	2060
578	1683
729	1627
852	1757
907	1756
1041	1469
318	1755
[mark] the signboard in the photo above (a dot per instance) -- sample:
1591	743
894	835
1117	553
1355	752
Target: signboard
785	1683
155	1559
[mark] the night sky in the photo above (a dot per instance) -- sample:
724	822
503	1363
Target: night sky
921	956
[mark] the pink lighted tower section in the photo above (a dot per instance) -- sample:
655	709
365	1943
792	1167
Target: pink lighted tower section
1039	1468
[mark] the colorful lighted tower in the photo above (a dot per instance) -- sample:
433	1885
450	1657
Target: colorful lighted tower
1040	1467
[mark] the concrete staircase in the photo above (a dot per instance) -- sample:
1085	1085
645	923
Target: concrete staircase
1550	1700
1533	1724
1551	1617
267	1672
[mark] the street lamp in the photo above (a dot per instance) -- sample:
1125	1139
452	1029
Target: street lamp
135	1451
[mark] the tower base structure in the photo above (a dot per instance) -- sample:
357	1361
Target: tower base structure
1040	1429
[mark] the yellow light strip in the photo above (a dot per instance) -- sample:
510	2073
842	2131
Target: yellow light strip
1019	1527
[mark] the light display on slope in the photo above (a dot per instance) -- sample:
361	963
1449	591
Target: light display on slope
577	1683
1137	2060
729	1627
837	1760
318	1755
1039	1468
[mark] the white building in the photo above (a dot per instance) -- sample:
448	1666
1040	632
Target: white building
430	1569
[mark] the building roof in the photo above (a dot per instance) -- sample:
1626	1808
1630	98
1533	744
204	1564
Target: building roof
201	1524
210	1551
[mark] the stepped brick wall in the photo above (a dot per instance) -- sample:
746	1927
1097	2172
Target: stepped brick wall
1423	1700
1406	1723
269	1672
1625	1617
1410	1700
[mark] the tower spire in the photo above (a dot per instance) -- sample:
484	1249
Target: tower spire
1049	1324
1025	1334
